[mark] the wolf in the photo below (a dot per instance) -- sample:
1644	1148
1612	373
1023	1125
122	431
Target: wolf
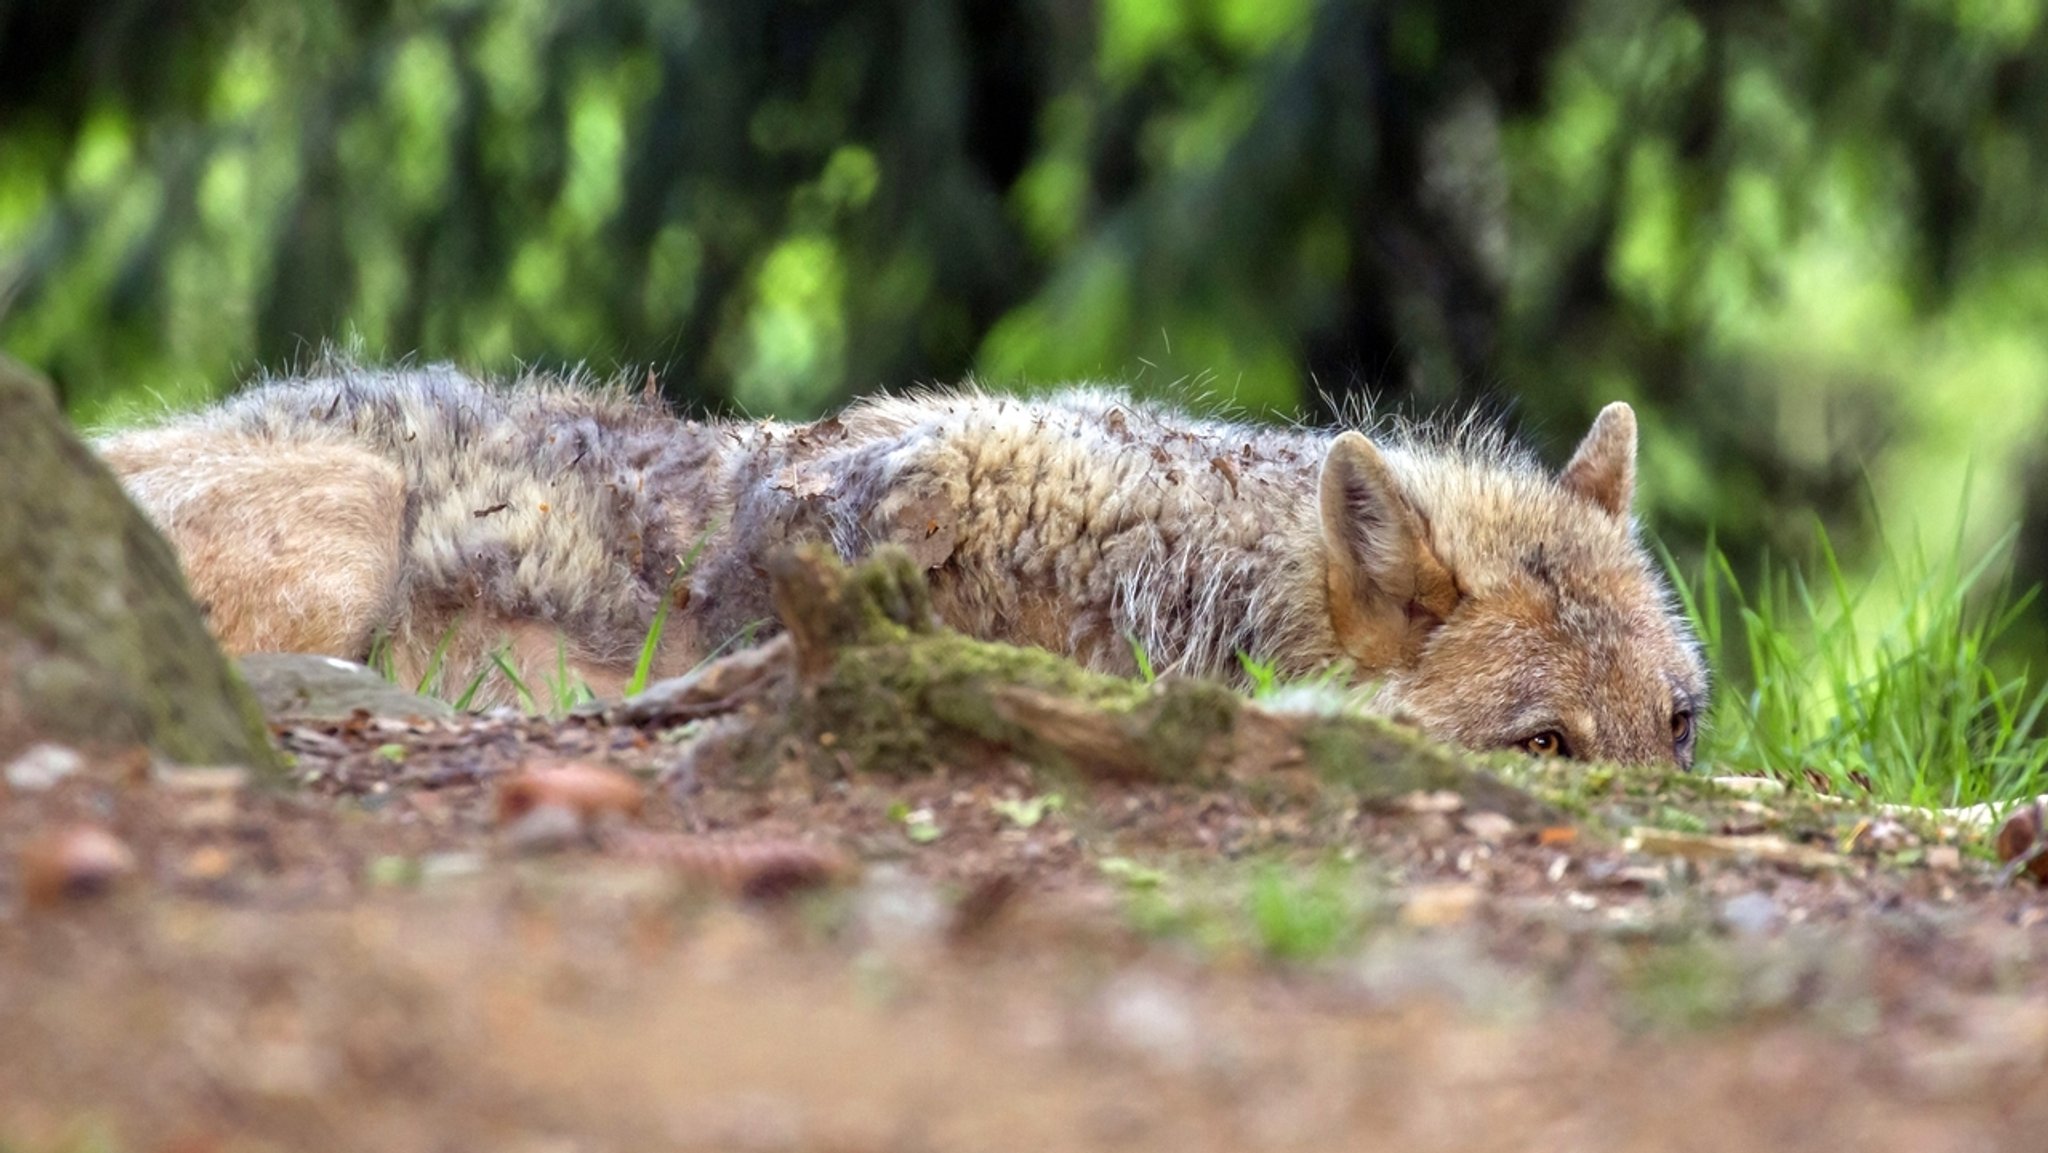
542	524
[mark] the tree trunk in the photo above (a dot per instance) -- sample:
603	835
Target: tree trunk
100	645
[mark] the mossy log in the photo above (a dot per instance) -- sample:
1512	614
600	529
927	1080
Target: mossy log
100	644
866	678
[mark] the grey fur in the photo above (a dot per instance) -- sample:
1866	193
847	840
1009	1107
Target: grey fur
1085	522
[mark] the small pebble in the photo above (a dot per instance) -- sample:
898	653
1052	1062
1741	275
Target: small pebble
894	910
1750	914
1440	801
1147	1016
450	866
547	828
1491	828
1433	906
42	766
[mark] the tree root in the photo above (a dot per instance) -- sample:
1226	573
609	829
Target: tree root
865	679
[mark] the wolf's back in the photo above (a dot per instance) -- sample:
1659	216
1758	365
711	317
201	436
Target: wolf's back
1084	522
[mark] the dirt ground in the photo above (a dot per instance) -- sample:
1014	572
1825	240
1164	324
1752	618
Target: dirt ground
414	948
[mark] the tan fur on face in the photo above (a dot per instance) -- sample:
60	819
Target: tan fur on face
1387	589
1581	656
1566	625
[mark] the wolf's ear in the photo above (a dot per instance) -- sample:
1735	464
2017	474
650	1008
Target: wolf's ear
1603	469
1387	587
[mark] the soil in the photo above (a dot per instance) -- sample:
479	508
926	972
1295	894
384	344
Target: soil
414	947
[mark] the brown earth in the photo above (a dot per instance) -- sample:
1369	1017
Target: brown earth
393	957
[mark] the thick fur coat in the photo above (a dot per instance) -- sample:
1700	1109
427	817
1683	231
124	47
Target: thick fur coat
1496	603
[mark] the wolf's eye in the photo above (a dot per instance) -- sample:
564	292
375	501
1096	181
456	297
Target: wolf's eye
1681	727
1548	743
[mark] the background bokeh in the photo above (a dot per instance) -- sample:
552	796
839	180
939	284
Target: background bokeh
1805	237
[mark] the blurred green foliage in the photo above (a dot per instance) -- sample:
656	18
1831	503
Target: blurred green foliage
1803	236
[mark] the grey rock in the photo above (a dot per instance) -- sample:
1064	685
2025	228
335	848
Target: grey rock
303	687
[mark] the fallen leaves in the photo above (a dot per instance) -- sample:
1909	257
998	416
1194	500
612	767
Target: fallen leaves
546	807
1027	812
207	864
750	868
589	792
920	825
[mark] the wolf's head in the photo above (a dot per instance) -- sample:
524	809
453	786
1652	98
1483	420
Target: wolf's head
1506	607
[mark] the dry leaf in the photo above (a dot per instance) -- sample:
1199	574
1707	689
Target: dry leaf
587	790
74	862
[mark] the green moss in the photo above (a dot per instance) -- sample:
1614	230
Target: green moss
914	703
908	703
1186	724
1380	760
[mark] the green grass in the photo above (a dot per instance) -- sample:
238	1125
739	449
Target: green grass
651	644
563	691
566	690
431	675
512	677
1297	916
1291	912
383	659
1905	686
1144	659
466	699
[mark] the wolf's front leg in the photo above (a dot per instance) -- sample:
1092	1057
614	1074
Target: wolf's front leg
287	547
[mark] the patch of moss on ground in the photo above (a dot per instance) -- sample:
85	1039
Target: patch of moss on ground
906	705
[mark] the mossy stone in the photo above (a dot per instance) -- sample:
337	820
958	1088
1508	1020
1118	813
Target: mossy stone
100	643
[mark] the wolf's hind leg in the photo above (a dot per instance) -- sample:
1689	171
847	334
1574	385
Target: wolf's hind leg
288	547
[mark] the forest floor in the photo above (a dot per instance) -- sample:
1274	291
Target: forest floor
875	886
407	952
